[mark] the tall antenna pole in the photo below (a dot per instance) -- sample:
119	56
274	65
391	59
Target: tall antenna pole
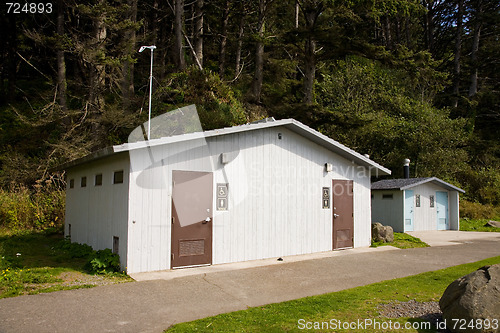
152	47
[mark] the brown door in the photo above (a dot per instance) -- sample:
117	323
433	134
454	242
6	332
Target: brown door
191	218
343	220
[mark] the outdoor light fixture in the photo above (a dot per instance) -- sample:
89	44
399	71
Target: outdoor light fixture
328	167
224	158
151	47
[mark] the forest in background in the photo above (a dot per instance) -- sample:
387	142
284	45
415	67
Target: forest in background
394	79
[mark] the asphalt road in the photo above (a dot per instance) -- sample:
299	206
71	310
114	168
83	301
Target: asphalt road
154	305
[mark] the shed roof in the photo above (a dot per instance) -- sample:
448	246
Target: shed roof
406	183
291	124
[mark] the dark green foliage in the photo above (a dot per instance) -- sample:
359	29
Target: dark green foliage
97	262
103	262
75	250
371	109
216	102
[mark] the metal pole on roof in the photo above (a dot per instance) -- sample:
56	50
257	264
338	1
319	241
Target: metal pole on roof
152	47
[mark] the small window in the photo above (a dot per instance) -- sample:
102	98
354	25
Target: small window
417	200
431	201
116	244
118	177
83	182
98	179
387	196
71	183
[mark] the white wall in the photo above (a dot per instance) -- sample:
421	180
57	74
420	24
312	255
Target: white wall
425	217
454	201
275	189
97	213
388	211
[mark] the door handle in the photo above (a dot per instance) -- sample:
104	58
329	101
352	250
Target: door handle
335	215
208	219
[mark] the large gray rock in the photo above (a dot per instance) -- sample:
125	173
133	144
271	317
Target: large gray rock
475	296
381	233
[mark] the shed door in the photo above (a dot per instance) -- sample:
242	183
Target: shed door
191	218
442	210
343	220
409	207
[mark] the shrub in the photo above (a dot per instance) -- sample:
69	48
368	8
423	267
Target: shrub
103	262
75	250
474	210
37	209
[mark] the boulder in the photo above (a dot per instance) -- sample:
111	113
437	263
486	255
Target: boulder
472	298
381	233
495	224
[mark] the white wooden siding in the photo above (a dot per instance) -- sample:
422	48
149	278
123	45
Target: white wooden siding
454	210
275	197
97	213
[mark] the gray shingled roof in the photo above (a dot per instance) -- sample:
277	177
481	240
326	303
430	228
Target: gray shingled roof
406	183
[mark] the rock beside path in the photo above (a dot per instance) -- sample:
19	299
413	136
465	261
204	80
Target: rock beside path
381	233
472	298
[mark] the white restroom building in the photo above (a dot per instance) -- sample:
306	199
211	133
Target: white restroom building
261	190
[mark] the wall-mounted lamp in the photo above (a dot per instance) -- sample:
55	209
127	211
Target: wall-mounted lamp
328	167
224	158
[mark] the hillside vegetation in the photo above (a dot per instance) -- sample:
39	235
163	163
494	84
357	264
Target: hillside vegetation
393	79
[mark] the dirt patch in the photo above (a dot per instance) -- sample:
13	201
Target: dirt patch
428	311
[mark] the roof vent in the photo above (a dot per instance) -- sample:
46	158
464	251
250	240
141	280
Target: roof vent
265	120
406	168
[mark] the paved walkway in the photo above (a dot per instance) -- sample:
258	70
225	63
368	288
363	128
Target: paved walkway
154	305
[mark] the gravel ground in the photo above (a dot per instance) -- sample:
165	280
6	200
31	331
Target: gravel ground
428	311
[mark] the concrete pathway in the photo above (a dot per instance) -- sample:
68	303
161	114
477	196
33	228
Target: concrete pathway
154	305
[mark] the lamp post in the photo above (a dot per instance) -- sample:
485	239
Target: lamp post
152	47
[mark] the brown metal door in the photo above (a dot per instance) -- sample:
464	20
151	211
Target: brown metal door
343	220
191	218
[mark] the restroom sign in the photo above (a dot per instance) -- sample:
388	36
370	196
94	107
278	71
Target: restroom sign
221	196
326	197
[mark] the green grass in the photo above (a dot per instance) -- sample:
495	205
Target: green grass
403	241
477	225
347	305
33	262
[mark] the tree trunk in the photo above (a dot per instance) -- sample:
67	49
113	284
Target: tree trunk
458	52
387	33
61	63
127	82
297	11
98	74
259	54
475	49
239	46
11	56
179	60
311	11
198	31
309	70
223	42
429	26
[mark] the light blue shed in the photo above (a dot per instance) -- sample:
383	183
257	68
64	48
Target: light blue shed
415	204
